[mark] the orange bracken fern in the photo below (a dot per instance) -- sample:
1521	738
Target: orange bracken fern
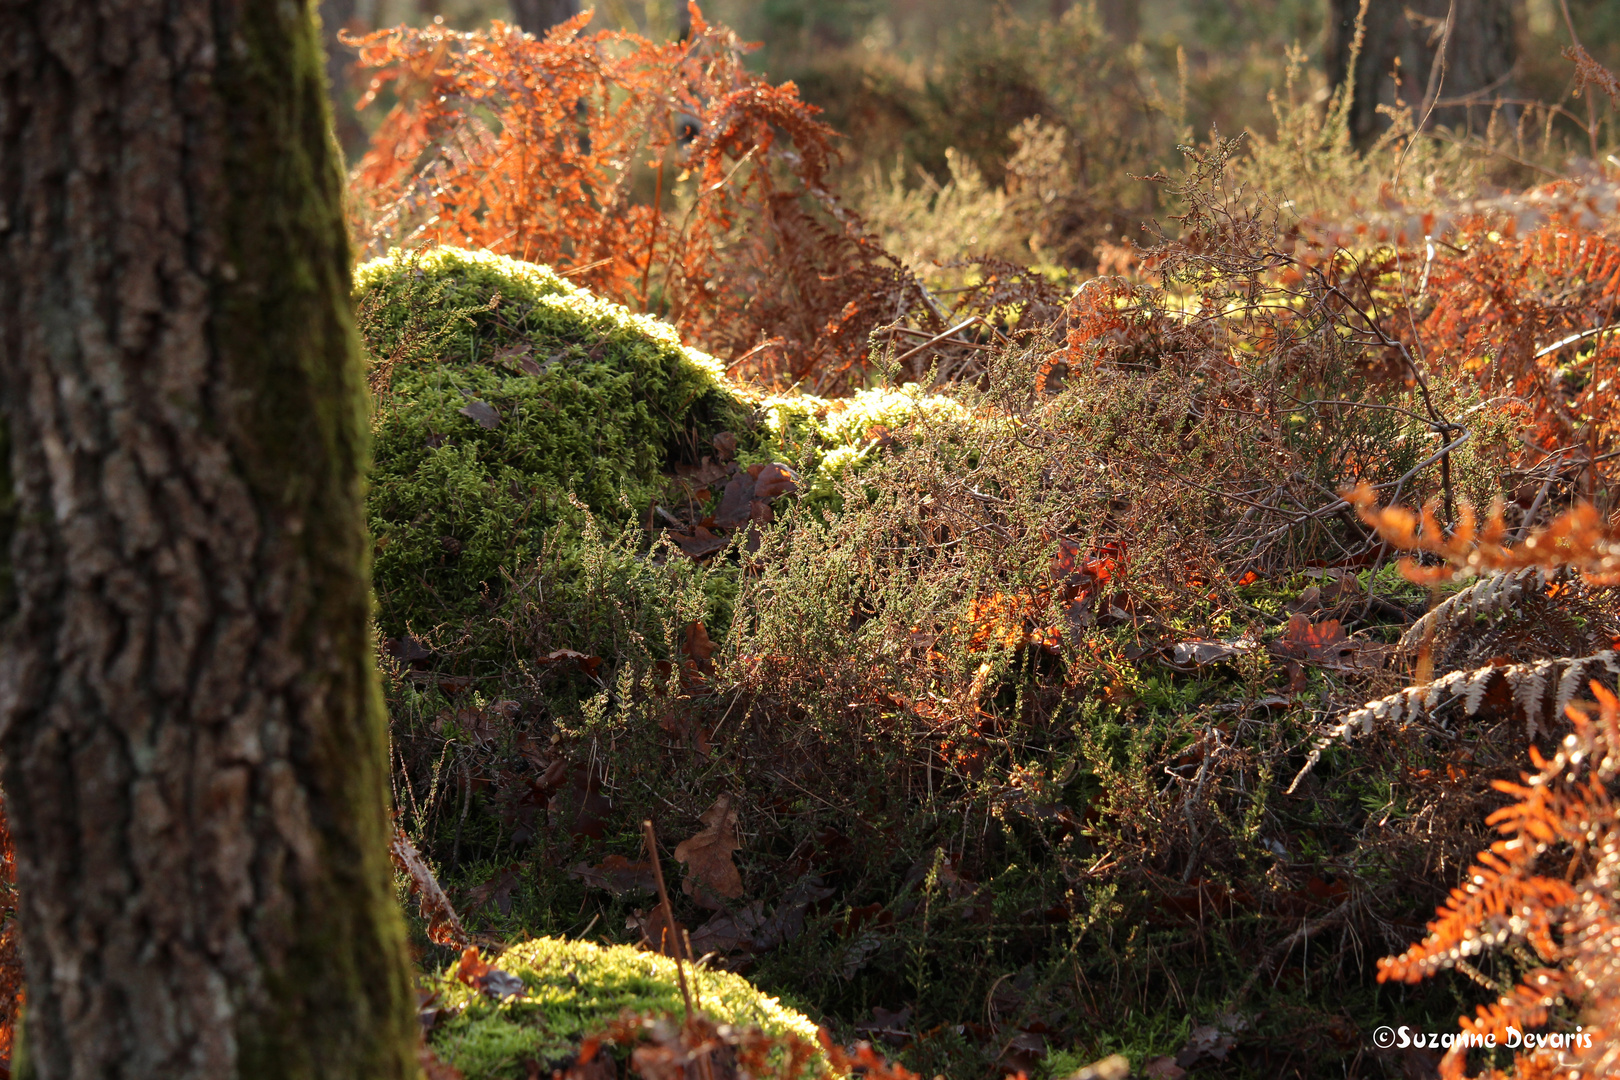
665	176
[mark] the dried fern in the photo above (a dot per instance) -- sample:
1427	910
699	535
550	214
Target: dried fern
1490	596
1570	918
1543	689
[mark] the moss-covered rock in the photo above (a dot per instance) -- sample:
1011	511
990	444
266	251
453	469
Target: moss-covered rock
545	398
571	988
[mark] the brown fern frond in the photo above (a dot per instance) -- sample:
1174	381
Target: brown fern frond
1493	595
1579	538
541	148
1542	689
1566	812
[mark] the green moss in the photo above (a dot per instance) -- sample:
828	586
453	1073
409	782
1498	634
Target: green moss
585	408
591	405
829	438
571	988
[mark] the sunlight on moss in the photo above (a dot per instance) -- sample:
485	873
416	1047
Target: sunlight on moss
571	988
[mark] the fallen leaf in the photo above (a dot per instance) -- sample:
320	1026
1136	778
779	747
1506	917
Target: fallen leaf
433	1068
1318	643
702	542
1163	1068
408	649
586	664
734	503
659	932
518	356
729	931
890	1027
775	479
581	807
702	475
710	872
618	875
1112	1067
481	413
498	889
1199	652
698	646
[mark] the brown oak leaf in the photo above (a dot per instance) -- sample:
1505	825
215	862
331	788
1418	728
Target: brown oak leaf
710	873
618	875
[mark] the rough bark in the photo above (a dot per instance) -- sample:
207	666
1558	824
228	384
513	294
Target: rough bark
194	752
1476	71
538	16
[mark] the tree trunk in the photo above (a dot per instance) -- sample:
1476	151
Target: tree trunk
538	16
1476	71
194	751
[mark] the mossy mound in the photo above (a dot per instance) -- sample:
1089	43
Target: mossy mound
511	404
571	988
512	396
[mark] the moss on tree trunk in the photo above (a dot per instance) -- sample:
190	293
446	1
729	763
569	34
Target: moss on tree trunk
195	758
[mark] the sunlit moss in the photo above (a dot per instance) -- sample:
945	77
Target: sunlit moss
571	988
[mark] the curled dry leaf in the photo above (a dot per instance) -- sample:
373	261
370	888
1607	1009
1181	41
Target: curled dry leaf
735	501
710	873
659	932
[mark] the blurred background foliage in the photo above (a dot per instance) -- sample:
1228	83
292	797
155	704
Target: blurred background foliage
988	117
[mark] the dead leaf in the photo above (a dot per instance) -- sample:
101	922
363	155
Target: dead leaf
1199	652
518	356
710	872
433	1068
659	932
1112	1067
890	1027
734	503
478	974
498	889
1163	1068
702	542
587	665
408	649
701	476
729	931
1305	640
775	479
618	875
698	646
481	413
